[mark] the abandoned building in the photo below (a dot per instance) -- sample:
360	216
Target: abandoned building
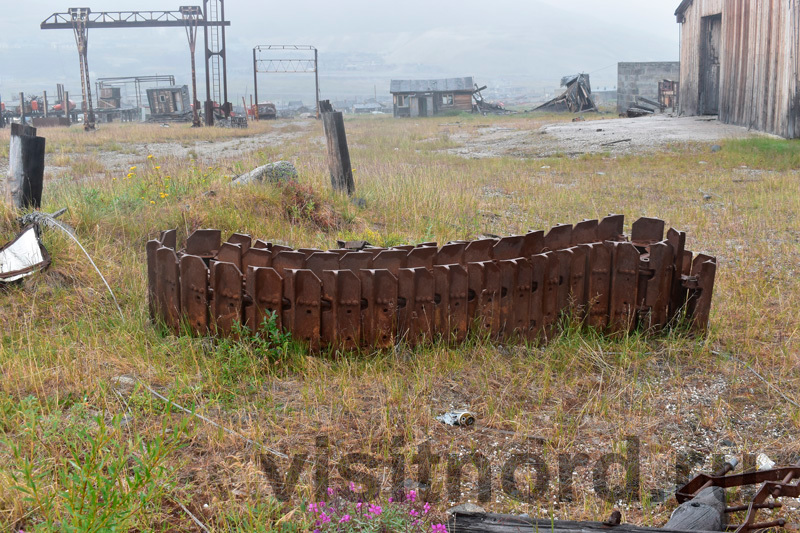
740	60
425	98
170	103
641	80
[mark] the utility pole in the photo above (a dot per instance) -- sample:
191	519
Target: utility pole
79	16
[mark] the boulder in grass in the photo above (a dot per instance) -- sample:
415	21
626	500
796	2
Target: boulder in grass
279	171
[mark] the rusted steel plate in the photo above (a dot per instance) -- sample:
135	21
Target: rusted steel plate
151	248
421	257
194	293
479	251
577	282
558	238
508	247
522	297
227	305
258	257
550	309
379	307
355	261
321	261
303	290
611	228
624	274
532	243
391	260
484	282
452	285
654	295
405	247
286	260
584	232
168	288
374	250
704	270
169	239
647	231
415	316
564	269
277	248
241	239
451	254
261	245
509	270
598	284
538	264
204	243
308	251
427	244
341	318
677	297
230	253
264	287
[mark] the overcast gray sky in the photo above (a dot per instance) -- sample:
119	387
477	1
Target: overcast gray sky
362	43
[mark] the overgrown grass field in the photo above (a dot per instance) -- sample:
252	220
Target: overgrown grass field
86	444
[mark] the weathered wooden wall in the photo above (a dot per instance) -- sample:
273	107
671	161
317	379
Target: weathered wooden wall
760	63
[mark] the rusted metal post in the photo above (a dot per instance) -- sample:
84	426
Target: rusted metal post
316	82
255	83
65	106
23	187
338	153
22	108
44	96
191	16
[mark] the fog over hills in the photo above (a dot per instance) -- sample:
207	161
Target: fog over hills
362	44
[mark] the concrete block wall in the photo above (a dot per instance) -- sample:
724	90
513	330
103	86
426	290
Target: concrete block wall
641	79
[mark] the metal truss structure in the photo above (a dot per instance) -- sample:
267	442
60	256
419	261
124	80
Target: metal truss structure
285	65
136	81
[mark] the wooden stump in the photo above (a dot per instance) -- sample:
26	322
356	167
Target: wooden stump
24	182
338	153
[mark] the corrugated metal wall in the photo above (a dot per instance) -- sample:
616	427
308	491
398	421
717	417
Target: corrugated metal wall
760	62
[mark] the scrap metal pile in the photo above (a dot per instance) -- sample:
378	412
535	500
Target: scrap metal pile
517	287
577	98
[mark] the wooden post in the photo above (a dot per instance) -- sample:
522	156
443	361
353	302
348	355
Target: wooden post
44	96
704	512
338	154
24	181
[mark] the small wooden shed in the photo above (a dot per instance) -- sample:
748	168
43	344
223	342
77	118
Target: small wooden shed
425	98
740	60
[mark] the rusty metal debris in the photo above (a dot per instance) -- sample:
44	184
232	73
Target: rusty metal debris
516	287
774	483
457	418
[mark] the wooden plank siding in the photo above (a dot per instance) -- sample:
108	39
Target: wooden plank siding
759	63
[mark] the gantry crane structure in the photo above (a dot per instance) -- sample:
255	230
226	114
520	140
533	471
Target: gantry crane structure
211	17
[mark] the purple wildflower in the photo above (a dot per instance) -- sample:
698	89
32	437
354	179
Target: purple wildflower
412	496
426	507
375	509
345	518
438	528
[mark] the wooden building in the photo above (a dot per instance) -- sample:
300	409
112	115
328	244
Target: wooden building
425	98
170	102
740	59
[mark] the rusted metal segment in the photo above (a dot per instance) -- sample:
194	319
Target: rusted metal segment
258	257
677	294
532	243
320	261
264	288
647	231
151	248
522	297
415	317
391	260
352	245
452	286
550	309
624	275
241	238
194	292
374	250
427	244
598	284
308	251
355	261
584	232
226	305
686	265
278	248
655	282
701	287
378	307
508	248
341	318
303	290
405	247
230	253
168	288
484	282
286	260
538	265
169	239
558	238
577	282
451	254
611	228
509	270
421	257
564	268
479	251
261	245
204	243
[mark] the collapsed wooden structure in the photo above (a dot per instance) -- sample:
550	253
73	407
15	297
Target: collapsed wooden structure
517	287
577	97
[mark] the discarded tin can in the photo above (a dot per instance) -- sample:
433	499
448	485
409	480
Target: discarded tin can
457	418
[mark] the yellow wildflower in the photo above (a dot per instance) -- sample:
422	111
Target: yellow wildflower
152	201
150	156
133	168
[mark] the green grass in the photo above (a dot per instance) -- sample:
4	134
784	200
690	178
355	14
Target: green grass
64	346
